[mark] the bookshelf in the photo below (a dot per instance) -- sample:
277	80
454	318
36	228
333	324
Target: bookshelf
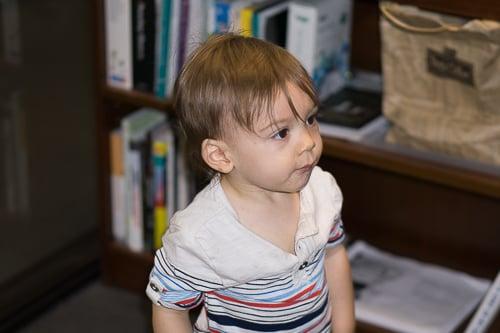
426	208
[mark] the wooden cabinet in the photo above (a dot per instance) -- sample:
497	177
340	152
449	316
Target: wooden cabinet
415	206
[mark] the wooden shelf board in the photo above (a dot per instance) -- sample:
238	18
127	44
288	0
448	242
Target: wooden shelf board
136	98
439	173
125	268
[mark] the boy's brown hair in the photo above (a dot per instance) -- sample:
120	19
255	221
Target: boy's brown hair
229	81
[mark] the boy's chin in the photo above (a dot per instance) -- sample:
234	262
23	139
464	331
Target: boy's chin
299	183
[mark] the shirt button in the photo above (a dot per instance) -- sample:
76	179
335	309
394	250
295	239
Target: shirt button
304	265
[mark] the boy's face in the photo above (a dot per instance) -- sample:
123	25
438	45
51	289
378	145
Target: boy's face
279	156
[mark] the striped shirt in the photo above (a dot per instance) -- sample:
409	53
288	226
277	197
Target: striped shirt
245	283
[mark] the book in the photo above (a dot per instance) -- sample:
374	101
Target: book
235	11
185	186
222	18
352	114
118	219
248	16
406	295
183	31
174	35
135	130
164	157
210	16
143	42
162	46
118	40
270	22
318	35
197	25
487	310
145	188
160	150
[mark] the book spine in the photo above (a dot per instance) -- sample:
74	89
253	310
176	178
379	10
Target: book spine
183	31
301	34
173	46
246	19
234	14
143	41
210	16
171	174
255	24
118	40
162	32
135	239
197	25
222	8
488	309
322	45
118	216
147	190
160	151
184	185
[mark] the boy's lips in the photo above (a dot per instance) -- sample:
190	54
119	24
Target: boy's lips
306	168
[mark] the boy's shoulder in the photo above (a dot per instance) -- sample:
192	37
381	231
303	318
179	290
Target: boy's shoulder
185	243
322	182
206	206
323	194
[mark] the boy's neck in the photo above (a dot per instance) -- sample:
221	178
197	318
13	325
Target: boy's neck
273	216
242	192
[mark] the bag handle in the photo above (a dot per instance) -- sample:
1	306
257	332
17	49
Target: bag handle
385	8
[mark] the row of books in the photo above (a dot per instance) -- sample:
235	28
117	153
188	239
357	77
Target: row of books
149	178
147	41
317	32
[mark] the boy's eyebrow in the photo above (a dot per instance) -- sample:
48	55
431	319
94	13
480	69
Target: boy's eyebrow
284	120
275	123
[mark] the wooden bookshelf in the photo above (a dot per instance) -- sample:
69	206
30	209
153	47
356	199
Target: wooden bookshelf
420	207
467	179
135	98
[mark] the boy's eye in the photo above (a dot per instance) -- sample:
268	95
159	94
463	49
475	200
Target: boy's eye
281	134
311	120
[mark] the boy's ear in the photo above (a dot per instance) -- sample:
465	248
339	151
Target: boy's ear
216	154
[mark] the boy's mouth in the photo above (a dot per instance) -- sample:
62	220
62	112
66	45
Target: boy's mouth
306	168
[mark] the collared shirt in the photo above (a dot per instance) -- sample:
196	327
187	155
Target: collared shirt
246	283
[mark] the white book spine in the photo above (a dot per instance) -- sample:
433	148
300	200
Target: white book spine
135	217
234	13
173	46
184	181
118	207
210	16
197	28
301	34
118	39
487	310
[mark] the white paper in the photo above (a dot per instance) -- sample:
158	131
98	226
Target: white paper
409	296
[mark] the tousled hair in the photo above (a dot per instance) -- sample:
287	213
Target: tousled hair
231	80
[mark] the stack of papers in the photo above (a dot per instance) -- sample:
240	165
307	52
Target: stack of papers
405	295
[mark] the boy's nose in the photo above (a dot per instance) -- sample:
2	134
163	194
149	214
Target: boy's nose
307	140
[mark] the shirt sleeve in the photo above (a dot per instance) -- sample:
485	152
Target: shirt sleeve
337	235
168	288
